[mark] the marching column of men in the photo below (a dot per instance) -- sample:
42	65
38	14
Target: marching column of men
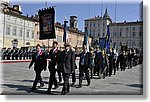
102	63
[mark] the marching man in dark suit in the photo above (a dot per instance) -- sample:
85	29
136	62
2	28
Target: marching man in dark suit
53	55
84	65
67	66
40	63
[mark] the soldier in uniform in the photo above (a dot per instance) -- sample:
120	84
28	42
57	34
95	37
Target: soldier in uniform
40	63
53	56
66	66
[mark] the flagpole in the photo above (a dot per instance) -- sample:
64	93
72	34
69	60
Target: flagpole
115	23
46	7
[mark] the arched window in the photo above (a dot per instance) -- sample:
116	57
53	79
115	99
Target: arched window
28	43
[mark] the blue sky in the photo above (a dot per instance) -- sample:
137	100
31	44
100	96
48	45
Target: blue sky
128	11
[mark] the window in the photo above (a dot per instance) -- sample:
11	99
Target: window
94	24
140	34
93	30
77	42
103	24
20	35
33	34
103	34
8	30
133	34
120	33
127	29
14	31
133	28
72	24
87	25
114	34
59	38
120	29
27	34
56	37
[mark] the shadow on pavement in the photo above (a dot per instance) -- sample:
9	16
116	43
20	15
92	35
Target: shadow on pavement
136	85
130	85
22	88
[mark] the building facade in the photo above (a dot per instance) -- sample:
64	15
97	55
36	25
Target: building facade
97	27
17	30
75	37
127	33
121	33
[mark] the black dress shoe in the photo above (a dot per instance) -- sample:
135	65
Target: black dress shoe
48	92
79	86
63	93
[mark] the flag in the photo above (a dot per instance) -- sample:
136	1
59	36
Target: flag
65	37
85	42
108	38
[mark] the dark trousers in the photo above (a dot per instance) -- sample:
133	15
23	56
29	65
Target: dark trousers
110	68
83	70
73	77
59	75
100	70
121	65
114	67
117	65
38	78
66	82
52	79
16	57
129	64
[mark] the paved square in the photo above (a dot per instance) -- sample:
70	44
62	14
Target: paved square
18	79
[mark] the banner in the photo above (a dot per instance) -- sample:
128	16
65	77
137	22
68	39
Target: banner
47	23
102	42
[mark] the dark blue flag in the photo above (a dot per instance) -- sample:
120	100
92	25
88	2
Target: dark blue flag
108	38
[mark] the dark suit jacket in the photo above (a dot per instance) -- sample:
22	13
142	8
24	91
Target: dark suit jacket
53	59
40	62
67	61
87	59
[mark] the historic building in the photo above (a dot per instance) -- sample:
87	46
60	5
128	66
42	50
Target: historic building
18	30
121	33
97	27
127	33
